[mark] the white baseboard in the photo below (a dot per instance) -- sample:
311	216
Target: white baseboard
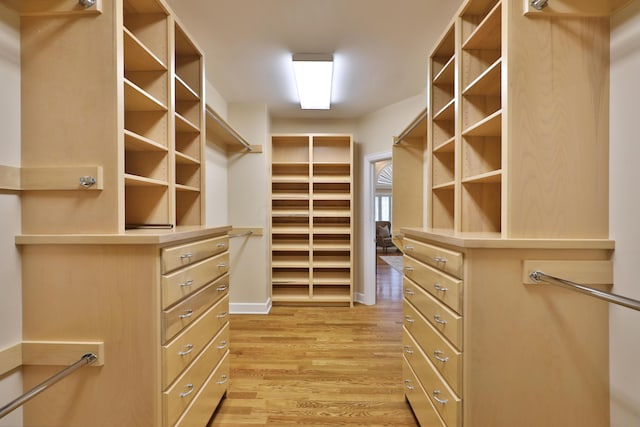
361	298
250	308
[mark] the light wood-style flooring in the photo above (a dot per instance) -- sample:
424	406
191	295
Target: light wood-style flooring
320	366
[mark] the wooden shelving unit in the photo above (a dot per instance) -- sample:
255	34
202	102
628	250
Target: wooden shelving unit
311	225
497	131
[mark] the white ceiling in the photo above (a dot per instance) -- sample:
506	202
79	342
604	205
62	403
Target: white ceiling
380	48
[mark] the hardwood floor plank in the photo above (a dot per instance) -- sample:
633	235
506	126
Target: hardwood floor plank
319	366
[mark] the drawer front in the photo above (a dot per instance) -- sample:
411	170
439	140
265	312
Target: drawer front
420	404
183	391
446	359
185	312
181	283
205	403
446	402
187	346
448	261
190	253
444	320
442	286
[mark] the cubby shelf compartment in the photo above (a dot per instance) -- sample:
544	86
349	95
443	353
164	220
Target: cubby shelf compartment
137	57
488	126
135	142
486	34
136	99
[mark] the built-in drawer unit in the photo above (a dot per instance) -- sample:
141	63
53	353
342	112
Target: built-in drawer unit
443	259
189	253
422	406
442	354
442	286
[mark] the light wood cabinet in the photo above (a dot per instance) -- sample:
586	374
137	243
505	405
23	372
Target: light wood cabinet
500	350
122	89
311	219
518	124
159	308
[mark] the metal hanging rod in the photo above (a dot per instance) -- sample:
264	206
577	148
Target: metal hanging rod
85	360
246	233
539	276
229	129
412	126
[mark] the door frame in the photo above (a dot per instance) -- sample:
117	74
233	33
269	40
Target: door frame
369	250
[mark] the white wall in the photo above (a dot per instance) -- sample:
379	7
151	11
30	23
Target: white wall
248	207
10	275
624	207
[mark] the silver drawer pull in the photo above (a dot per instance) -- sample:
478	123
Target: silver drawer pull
439	320
437	354
222	265
187	283
409	292
223	344
437	399
407	268
440	259
189	388
221	245
407	384
222	315
438	287
186	314
186	256
408	319
189	349
222	288
408	350
408	247
223	379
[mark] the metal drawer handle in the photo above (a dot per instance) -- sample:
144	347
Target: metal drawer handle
223	379
408	268
408	247
439	320
409	319
407	384
221	245
222	288
186	256
190	388
440	259
222	265
186	314
440	288
437	354
408	350
437	399
223	344
222	315
189	349
409	292
187	283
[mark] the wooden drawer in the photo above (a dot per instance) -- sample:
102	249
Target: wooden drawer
187	346
181	283
442	286
446	359
420	404
446	402
206	401
182	314
178	396
448	261
189	253
444	320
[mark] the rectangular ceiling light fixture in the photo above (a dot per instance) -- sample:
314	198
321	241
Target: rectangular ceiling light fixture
313	73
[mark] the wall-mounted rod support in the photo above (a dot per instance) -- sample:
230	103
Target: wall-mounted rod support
85	360
87	3
539	4
229	129
539	276
246	233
